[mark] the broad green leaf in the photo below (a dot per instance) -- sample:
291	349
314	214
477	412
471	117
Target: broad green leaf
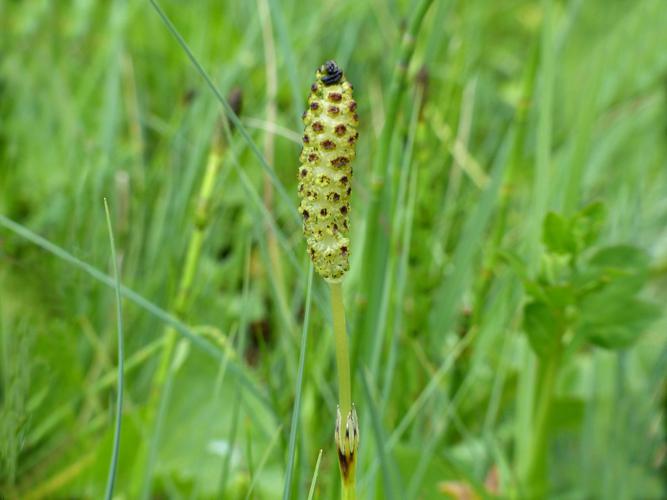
618	269
622	267
543	326
621	257
588	279
613	319
557	234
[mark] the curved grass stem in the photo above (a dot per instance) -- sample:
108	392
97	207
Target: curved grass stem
113	468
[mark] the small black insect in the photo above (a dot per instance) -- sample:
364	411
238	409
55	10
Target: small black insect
332	73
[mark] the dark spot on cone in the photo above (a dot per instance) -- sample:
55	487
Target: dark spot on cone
340	161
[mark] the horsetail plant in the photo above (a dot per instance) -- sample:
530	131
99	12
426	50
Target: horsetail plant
325	177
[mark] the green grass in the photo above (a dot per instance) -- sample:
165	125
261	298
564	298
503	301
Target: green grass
113	468
508	111
298	390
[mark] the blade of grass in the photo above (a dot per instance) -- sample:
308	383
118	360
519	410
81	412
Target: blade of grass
390	476
248	450
434	44
273	128
222	371
59	479
224	475
113	467
263	460
313	482
299	389
349	40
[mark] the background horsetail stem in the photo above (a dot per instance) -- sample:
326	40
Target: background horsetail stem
191	261
165	367
376	241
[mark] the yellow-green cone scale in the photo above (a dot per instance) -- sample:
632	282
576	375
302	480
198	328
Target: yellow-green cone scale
325	174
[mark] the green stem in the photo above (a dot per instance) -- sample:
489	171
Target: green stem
534	480
202	220
344	386
349	492
165	367
342	349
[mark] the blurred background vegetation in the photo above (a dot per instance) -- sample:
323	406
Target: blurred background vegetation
511	110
